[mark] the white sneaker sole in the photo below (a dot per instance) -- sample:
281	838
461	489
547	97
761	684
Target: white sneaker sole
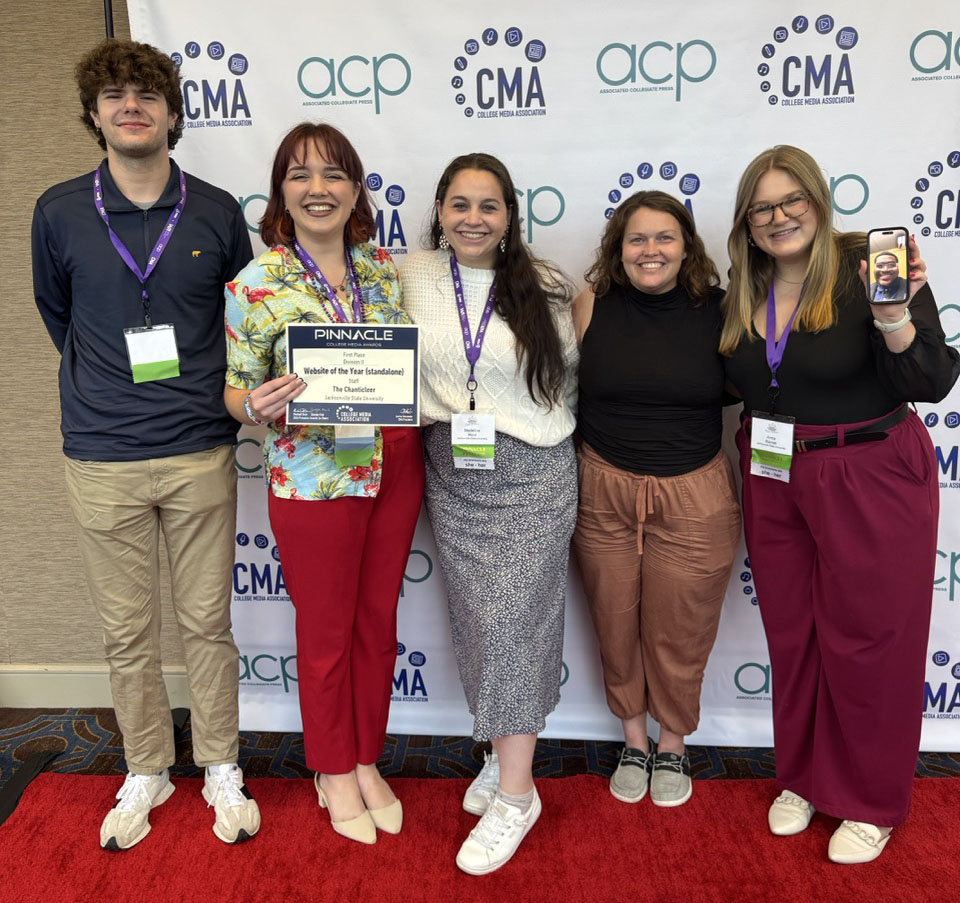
669	804
628	799
470	870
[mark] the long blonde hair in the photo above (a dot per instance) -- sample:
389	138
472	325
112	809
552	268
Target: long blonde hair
752	269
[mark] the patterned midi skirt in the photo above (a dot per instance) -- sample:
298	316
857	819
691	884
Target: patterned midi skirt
503	538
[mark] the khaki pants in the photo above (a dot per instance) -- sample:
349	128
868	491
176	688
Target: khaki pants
655	556
121	507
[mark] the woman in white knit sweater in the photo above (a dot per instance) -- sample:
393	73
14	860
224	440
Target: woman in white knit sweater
498	377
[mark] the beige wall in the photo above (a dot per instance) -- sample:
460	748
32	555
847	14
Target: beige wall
46	617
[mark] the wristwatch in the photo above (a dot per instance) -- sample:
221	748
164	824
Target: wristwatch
248	410
893	327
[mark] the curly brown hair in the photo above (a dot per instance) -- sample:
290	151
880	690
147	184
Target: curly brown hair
116	62
697	272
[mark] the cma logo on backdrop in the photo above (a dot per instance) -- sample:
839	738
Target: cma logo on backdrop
353	80
808	63
668	172
498	76
936	54
657	66
213	92
408	679
947	456
941	696
935	207
390	198
746	582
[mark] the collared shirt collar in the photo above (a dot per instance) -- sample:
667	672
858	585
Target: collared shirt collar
117	202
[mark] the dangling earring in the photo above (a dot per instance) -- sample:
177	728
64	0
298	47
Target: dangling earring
503	244
750	240
442	241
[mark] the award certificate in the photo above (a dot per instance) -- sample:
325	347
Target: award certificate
356	373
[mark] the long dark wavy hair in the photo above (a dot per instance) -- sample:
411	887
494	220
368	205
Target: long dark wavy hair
697	272
528	289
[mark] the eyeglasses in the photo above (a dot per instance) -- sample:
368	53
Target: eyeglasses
762	214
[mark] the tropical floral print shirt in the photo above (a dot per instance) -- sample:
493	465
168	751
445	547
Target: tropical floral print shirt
270	292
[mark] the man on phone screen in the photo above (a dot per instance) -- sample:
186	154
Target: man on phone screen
888	284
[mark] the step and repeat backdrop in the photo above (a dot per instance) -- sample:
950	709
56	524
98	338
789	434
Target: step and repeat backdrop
585	103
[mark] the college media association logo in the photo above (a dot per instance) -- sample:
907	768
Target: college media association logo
935	207
408	680
936	55
808	63
255	581
390	198
498	76
668	172
657	66
353	80
213	92
941	696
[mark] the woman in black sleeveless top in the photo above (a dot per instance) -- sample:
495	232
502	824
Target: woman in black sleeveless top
659	522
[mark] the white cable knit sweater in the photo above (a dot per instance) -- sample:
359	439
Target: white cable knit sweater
429	299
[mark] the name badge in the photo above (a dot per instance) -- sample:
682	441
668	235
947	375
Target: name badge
473	437
152	351
771	446
353	445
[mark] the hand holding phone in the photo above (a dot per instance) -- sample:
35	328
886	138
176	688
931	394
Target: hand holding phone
887	265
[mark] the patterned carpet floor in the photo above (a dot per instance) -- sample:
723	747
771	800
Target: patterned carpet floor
87	741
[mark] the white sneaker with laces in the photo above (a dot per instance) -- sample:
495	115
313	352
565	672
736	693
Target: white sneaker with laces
497	836
484	786
237	813
127	822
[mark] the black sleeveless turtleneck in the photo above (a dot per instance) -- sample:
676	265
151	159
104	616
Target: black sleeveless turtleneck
651	381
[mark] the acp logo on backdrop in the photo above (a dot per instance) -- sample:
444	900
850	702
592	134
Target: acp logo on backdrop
935	207
808	63
353	80
213	92
935	55
657	66
498	76
668	172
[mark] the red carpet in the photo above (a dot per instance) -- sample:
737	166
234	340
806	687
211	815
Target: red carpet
586	846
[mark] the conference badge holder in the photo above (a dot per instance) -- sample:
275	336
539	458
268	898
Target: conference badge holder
771	445
473	436
354	445
152	351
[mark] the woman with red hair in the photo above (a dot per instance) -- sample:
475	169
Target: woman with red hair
342	508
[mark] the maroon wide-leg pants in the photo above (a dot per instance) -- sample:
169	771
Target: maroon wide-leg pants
843	560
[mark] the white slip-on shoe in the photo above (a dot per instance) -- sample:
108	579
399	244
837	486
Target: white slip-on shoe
857	841
789	814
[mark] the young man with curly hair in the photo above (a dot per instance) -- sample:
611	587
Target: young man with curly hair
129	264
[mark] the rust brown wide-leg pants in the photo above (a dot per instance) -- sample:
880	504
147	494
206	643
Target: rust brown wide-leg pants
655	556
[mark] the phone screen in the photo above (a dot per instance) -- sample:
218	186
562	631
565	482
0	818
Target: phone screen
887	264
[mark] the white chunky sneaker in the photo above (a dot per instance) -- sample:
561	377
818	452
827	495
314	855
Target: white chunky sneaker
484	786
237	813
497	835
126	823
789	814
857	841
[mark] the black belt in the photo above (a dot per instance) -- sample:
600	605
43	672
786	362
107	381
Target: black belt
872	432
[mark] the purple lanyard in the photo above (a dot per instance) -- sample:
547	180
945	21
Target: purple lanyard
158	248
328	289
775	349
471	346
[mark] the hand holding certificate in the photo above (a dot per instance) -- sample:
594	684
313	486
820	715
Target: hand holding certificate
356	373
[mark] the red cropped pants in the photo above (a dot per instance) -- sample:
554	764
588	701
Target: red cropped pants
343	562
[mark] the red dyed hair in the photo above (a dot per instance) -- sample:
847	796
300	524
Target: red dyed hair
276	226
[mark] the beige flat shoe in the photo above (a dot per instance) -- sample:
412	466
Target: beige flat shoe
361	829
388	818
857	841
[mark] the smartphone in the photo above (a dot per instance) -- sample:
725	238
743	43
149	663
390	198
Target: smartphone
887	255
